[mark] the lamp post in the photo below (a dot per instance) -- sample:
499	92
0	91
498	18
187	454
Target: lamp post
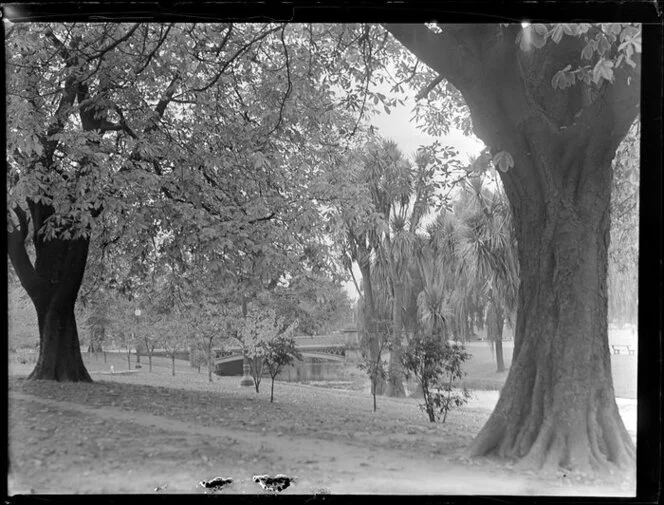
137	313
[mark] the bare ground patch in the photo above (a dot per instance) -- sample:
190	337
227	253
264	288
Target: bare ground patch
116	436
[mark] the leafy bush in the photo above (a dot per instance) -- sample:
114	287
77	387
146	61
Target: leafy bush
197	357
437	365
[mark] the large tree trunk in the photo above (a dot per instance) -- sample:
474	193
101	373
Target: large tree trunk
52	284
557	406
59	350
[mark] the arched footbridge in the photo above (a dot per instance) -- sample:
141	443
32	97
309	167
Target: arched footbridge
229	361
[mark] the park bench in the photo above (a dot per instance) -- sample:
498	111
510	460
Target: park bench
617	347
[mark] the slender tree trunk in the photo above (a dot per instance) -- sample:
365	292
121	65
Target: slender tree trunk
149	351
128	359
500	363
173	365
494	330
104	356
373	393
370	339
272	390
210	364
394	386
258	372
426	394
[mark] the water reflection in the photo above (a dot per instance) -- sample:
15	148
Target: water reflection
312	369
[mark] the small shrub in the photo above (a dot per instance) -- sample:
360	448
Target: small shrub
278	353
437	365
197	358
374	366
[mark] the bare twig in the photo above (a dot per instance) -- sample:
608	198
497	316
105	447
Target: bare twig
290	85
237	54
162	39
113	45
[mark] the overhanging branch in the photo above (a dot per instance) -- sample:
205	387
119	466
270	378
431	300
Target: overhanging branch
440	51
18	254
429	88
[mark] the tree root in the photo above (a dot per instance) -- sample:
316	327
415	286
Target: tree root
601	447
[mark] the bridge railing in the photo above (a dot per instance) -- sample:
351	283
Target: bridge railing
333	349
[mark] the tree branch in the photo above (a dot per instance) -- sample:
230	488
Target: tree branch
60	46
424	92
237	54
113	45
18	254
290	85
266	218
440	51
22	221
163	103
162	39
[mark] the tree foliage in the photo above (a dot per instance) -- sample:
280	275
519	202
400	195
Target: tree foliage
624	247
255	331
179	140
279	352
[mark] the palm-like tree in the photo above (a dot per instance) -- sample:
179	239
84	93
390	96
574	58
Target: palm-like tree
402	194
487	255
436	266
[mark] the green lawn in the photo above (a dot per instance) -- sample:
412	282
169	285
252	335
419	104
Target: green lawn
481	369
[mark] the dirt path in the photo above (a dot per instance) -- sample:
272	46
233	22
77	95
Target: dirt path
134	452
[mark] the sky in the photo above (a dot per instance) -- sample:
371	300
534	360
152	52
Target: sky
398	126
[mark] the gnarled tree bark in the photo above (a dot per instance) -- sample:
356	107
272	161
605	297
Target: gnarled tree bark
557	407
